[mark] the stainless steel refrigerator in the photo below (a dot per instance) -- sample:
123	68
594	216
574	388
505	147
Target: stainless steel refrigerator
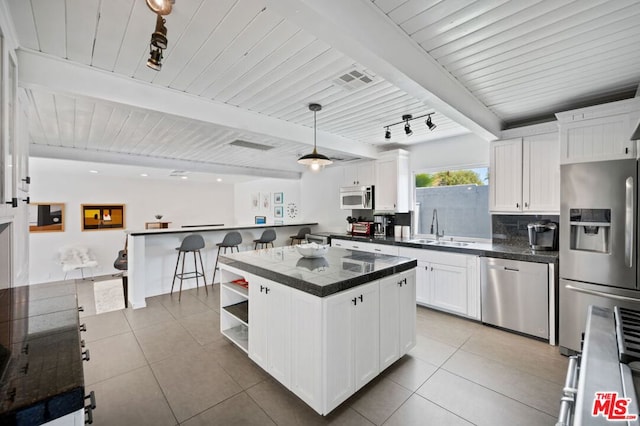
598	242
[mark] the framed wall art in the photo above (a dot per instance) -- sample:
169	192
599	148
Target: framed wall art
46	217
277	198
100	217
278	211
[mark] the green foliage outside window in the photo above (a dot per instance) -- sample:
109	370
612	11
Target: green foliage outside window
448	178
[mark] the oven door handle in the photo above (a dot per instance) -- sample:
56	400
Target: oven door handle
628	222
569	392
602	294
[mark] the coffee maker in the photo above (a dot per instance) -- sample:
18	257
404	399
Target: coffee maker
383	225
543	235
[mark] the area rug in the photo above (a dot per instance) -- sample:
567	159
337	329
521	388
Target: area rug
109	295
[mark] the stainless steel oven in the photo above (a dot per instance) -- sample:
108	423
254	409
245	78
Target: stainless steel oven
356	197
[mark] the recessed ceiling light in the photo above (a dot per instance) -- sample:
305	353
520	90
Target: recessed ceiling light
218	180
144	174
184	177
93	171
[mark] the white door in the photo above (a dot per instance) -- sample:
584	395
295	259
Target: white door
390	324
423	291
407	310
541	173
449	287
367	333
386	189
505	181
278	330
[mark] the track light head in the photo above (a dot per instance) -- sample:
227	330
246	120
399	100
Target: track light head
387	133
429	123
155	59
407	129
159	36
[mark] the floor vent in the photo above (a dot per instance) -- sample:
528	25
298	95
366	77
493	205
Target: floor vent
251	145
354	79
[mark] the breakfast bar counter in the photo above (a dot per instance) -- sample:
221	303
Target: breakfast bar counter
152	254
325	326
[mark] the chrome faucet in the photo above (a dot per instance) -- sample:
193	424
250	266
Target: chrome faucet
434	218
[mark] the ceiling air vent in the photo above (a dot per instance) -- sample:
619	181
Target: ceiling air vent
178	173
251	145
353	79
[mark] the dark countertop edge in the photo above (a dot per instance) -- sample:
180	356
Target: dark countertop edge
540	257
319	290
46	410
211	228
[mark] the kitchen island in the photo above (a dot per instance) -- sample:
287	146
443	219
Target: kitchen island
322	327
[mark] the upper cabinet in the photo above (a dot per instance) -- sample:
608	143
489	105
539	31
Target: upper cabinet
362	174
525	174
392	182
601	132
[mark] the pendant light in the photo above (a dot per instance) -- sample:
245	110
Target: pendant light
315	161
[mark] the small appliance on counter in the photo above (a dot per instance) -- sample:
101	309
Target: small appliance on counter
362	228
383	225
543	235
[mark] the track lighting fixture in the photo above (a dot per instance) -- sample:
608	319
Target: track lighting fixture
429	123
407	127
315	161
161	7
158	43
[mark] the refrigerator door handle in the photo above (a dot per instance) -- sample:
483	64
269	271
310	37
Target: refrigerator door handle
602	294
628	222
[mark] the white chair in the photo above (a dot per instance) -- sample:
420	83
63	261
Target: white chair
76	257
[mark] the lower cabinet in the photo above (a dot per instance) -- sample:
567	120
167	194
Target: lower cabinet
270	328
447	281
368	247
352	341
397	317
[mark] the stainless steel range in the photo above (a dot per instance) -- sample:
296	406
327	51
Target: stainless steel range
602	383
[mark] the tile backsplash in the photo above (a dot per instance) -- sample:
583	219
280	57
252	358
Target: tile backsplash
512	229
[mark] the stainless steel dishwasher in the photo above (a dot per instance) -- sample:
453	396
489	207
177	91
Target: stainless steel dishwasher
515	295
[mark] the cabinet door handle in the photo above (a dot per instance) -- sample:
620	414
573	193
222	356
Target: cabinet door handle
376	249
83	327
355	301
511	269
86	356
361	298
356	247
432	268
626	150
266	289
517	205
526	204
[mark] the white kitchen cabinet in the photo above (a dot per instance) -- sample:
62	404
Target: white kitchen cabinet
599	133
352	341
398	317
447	281
270	330
234	307
368	247
525	174
392	189
360	174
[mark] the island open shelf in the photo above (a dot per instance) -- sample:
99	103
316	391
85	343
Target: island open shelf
234	308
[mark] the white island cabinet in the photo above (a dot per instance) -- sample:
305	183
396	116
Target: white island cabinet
323	342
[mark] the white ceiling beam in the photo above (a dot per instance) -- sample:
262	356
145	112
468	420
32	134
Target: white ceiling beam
37	70
364	33
66	153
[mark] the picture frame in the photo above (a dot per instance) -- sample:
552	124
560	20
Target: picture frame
278	198
46	217
260	220
102	217
266	201
278	211
255	201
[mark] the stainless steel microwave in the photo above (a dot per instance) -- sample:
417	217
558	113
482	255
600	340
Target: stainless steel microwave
356	197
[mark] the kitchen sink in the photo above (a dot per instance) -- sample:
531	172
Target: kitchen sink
440	242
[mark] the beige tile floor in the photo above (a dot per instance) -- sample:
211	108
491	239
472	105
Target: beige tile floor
167	364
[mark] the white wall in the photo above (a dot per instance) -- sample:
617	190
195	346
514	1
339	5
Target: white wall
321	199
461	151
181	202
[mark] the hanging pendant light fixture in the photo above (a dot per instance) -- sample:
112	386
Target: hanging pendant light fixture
315	161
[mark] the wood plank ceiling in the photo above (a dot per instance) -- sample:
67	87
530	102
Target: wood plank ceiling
523	60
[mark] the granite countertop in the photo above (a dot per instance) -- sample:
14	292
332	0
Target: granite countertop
337	271
44	377
190	229
503	251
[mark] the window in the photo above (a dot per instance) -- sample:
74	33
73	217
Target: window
454	201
